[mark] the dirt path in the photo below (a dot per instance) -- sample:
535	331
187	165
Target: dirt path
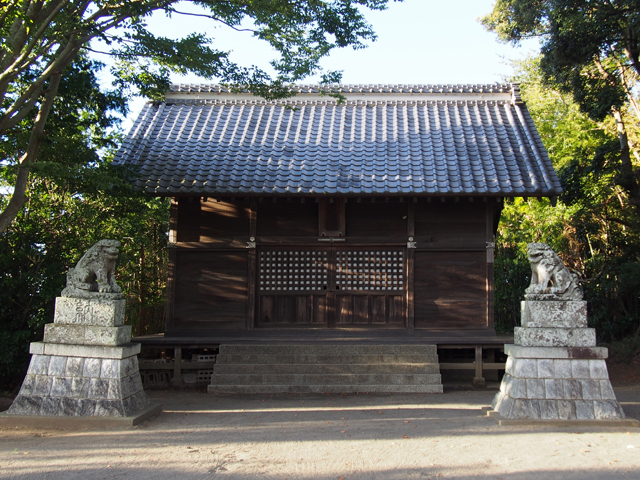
326	437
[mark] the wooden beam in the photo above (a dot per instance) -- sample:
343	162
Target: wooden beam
470	366
478	379
151	365
342	216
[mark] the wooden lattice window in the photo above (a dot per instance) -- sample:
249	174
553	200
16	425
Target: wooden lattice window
370	270
292	270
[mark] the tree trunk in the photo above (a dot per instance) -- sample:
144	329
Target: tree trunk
629	180
19	196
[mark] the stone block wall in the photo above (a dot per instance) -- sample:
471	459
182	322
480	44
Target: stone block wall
555	371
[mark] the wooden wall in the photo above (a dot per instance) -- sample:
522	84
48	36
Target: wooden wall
449	273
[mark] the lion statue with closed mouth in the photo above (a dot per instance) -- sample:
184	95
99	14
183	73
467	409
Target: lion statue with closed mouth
93	276
550	278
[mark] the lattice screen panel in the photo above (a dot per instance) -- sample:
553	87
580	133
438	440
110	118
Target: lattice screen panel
370	270
284	270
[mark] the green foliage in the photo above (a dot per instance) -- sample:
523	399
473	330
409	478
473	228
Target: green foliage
592	228
50	235
76	199
523	222
589	48
625	349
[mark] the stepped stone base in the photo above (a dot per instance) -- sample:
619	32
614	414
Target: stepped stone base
554	372
82	381
247	369
556	386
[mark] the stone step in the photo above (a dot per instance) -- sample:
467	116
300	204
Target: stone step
291	388
356	368
325	379
285	357
328	368
328	349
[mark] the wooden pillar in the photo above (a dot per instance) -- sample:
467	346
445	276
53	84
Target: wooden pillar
252	265
490	244
172	265
411	254
176	381
478	379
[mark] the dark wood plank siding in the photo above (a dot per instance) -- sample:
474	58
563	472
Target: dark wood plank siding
450	221
372	310
379	219
450	290
283	310
210	289
188	215
223	219
211	220
287	219
447	277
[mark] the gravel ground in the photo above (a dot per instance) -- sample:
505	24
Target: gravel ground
326	437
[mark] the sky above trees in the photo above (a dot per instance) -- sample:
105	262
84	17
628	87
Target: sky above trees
419	41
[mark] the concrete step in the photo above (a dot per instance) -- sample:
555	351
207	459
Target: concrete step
285	357
257	389
358	368
306	349
325	379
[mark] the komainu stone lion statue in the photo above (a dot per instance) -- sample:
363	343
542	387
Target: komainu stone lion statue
550	278
93	276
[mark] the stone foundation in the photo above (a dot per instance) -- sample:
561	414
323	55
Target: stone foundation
555	371
86	365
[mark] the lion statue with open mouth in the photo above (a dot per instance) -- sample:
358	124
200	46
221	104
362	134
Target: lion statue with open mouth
550	278
93	276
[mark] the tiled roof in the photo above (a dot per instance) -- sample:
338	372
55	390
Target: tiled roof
387	139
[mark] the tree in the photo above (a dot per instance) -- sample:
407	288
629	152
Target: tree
77	198
590	49
39	39
591	228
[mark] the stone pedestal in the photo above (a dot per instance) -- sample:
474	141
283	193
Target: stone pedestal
86	365
554	371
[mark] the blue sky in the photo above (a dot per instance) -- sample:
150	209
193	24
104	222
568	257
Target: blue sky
419	41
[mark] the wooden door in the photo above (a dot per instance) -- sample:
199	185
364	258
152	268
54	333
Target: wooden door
293	286
370	286
331	286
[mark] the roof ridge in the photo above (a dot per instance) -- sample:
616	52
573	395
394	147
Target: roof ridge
357	88
300	102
